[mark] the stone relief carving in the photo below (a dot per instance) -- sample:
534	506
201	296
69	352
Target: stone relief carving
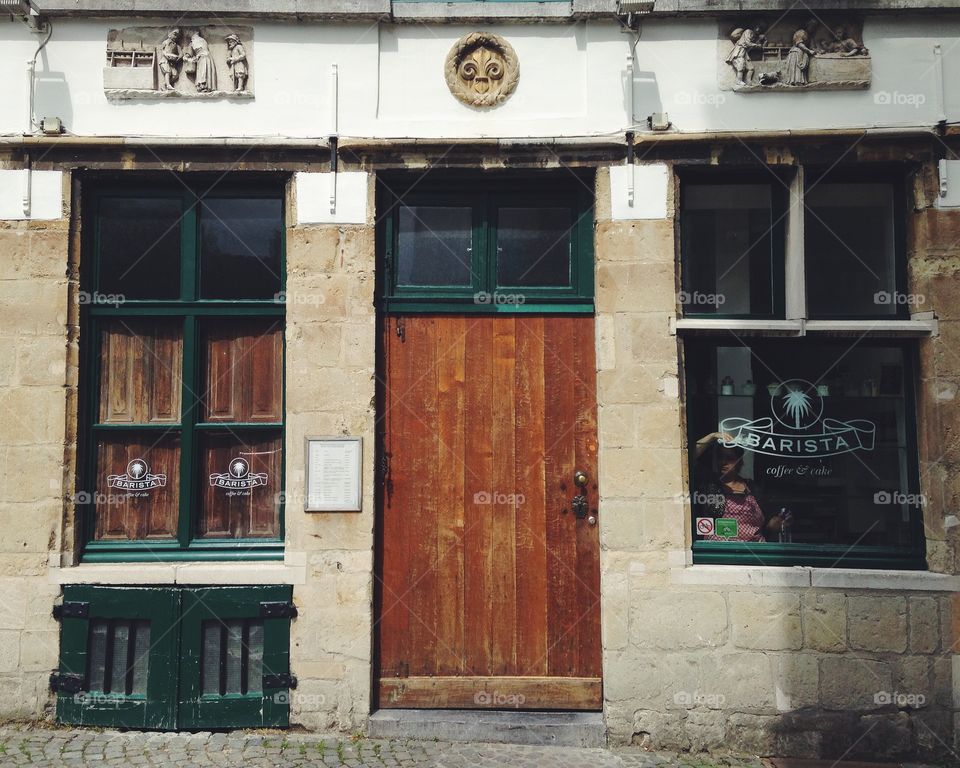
795	53
206	61
482	69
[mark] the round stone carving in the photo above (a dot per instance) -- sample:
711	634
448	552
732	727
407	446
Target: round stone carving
482	69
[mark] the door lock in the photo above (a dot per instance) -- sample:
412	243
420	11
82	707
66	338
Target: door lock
579	502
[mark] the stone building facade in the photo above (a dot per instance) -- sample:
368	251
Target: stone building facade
820	653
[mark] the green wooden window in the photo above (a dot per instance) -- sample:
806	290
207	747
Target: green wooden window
182	372
822	432
487	245
170	658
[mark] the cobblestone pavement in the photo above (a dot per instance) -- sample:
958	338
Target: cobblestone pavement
31	746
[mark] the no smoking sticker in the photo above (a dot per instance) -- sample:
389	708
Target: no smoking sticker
705	526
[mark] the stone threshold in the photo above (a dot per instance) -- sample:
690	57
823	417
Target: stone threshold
557	729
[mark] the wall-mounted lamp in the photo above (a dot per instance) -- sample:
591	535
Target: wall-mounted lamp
630	11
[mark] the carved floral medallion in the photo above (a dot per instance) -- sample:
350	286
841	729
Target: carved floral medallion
482	69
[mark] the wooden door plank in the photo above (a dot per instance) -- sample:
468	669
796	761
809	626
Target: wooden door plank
478	461
451	378
493	692
503	507
531	557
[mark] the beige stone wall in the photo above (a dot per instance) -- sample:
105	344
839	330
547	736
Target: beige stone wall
37	362
330	388
738	658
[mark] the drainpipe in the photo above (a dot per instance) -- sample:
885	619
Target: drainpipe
334	133
31	119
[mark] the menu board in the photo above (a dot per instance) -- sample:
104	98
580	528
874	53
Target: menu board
333	470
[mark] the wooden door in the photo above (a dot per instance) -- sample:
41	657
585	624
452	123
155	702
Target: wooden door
489	581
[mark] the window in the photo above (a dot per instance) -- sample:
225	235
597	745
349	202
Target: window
182	386
174	658
487	246
799	370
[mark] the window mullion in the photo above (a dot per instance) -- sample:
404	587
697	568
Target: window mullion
795	292
190	400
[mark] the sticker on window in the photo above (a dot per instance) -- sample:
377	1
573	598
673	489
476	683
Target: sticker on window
797	405
705	526
727	527
138	477
238	477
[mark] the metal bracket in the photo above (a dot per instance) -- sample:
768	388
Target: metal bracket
283	680
280	610
71	610
66	682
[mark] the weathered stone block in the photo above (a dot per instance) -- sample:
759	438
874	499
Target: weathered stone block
629	287
743	681
850	683
797	681
878	623
633	678
766	621
659	730
924	624
825	621
675	620
646	241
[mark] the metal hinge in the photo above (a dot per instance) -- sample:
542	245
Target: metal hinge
280	610
66	682
71	610
283	680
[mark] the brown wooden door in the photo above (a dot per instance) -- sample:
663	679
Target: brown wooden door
489	583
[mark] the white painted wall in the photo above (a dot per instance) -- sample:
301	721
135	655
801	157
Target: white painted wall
391	83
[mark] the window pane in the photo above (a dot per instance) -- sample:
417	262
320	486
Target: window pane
232	656
727	249
140	371
243	364
824	433
140	247
435	246
137	486
533	247
128	643
849	249
241	485
240	246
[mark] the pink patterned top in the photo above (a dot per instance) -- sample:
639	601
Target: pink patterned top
743	507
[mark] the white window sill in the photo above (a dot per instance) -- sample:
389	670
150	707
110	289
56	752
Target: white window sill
820	578
220	573
919	325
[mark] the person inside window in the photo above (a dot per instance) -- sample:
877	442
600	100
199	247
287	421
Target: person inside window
729	495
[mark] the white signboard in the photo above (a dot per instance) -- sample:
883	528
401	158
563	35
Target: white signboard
333	470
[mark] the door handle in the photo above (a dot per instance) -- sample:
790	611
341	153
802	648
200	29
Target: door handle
579	502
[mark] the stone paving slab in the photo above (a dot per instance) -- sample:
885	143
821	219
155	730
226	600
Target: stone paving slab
23	745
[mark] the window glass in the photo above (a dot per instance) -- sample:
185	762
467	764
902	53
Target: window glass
240	246
435	246
815	433
728	247
533	247
139	242
850	253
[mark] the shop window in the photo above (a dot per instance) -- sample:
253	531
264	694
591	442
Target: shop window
171	658
487	245
182	386
803	452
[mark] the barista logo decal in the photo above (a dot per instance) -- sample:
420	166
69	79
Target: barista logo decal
138	477
797	407
238	476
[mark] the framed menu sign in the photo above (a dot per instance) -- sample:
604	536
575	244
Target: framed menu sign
333	471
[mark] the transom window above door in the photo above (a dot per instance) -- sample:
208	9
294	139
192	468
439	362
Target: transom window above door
499	245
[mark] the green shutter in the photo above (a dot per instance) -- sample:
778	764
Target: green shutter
235	658
121	654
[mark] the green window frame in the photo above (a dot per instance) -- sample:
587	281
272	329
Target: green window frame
191	310
485	197
173	698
